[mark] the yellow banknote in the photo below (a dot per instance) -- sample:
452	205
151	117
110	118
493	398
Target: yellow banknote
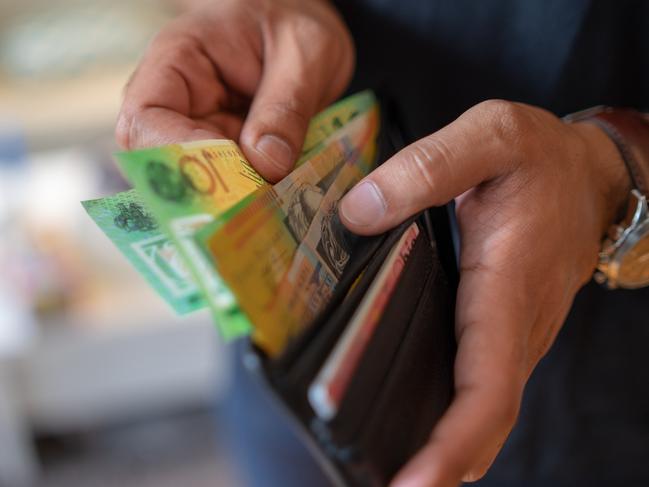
254	245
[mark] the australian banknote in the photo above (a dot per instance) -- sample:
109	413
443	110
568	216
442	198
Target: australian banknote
133	229
335	117
187	185
265	230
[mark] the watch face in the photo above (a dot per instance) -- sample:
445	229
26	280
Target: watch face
633	268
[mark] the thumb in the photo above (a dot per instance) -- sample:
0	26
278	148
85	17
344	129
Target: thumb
432	171
274	130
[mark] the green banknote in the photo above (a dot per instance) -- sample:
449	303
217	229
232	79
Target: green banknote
131	227
185	186
335	117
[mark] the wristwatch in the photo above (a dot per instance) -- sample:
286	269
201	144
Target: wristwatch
624	257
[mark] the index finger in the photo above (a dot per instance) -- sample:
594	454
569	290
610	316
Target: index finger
174	95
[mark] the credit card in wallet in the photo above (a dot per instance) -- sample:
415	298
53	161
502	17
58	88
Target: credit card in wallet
327	390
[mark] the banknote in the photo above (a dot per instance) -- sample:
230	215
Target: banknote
323	253
324	250
325	234
265	230
253	244
131	227
335	117
185	186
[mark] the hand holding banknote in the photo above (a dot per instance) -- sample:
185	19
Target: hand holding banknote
247	70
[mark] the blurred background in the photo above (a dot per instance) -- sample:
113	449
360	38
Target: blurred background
100	384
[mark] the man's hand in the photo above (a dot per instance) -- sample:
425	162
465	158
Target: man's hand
251	70
534	197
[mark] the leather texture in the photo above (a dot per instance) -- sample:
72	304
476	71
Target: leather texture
629	130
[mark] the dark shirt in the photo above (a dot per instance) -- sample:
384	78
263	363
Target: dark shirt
585	414
441	57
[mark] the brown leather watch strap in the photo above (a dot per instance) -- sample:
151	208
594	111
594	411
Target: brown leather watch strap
629	130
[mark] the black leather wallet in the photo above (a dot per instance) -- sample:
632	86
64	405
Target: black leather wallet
403	382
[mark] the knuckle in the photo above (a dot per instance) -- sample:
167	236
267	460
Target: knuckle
317	21
508	119
428	163
309	27
290	110
183	50
179	39
508	124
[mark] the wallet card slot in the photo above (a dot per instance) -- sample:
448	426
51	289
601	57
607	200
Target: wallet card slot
376	431
423	369
373	368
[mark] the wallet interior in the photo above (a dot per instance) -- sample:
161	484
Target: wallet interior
403	381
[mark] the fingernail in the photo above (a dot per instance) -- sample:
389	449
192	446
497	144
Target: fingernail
364	205
476	474
409	481
470	477
278	152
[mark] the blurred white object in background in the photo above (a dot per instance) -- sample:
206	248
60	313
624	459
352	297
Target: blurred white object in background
63	63
63	39
16	321
16	318
18	465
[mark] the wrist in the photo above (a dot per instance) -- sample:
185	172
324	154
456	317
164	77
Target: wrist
611	176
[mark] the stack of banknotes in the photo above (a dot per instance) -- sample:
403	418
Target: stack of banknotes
206	230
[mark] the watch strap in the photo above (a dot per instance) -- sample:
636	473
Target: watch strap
629	130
